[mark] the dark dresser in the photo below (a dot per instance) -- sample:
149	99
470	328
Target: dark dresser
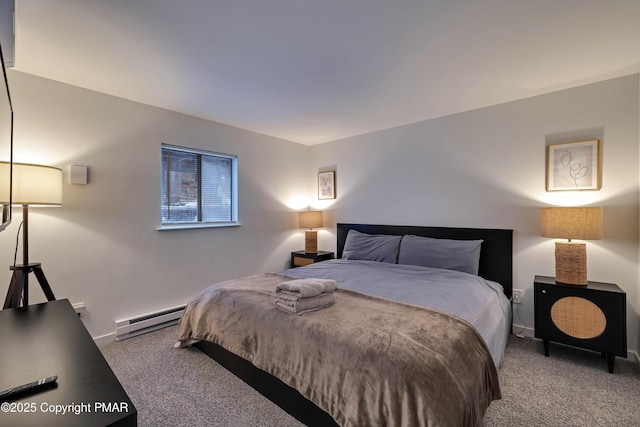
49	339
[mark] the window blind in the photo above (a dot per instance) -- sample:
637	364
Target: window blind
197	186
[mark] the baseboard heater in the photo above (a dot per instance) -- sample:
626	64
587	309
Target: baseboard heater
134	326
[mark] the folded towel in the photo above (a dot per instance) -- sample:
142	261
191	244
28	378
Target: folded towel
306	288
292	299
305	305
287	297
291	310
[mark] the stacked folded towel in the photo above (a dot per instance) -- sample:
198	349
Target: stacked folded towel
301	296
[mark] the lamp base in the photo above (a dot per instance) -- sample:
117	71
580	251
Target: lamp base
311	241
571	263
18	293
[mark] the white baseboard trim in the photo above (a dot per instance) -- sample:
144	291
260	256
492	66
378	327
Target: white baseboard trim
103	340
530	333
524	330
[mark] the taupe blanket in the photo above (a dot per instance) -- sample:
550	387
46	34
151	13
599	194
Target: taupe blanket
364	360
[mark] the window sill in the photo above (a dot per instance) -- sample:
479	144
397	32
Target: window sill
201	225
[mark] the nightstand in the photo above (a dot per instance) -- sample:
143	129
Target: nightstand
301	258
592	317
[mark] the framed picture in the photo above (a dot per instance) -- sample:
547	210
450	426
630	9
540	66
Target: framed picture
573	166
326	185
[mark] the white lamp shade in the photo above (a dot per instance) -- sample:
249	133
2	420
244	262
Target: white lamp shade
32	185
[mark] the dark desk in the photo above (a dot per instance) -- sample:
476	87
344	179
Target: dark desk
49	339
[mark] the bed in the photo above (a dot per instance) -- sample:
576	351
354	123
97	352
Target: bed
377	356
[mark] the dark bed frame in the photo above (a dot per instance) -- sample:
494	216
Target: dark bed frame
495	264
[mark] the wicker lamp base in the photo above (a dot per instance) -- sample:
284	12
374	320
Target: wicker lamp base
311	241
571	263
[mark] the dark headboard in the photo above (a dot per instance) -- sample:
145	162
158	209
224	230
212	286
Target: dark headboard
496	255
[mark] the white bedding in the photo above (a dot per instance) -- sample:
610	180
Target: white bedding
480	302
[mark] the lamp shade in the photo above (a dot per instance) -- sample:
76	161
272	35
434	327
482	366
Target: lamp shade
571	223
32	184
310	219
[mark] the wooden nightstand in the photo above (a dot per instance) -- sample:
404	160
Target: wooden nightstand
593	317
300	258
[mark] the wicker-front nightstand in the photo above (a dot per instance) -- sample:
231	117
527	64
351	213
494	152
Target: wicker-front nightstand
301	258
591	317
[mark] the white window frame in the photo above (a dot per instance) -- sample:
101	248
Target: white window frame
178	225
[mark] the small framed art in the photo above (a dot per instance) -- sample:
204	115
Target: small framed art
326	185
573	166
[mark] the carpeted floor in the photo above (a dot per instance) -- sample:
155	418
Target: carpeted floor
572	387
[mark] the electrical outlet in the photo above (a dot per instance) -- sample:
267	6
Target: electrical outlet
517	296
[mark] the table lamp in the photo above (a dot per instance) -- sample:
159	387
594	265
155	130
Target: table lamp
571	223
310	220
33	185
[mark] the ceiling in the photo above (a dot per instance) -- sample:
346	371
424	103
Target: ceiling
313	71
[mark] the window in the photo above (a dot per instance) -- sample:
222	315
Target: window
199	188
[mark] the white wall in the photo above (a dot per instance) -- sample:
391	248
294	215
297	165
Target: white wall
102	246
486	168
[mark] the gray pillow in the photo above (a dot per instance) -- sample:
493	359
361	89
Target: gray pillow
460	255
371	247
